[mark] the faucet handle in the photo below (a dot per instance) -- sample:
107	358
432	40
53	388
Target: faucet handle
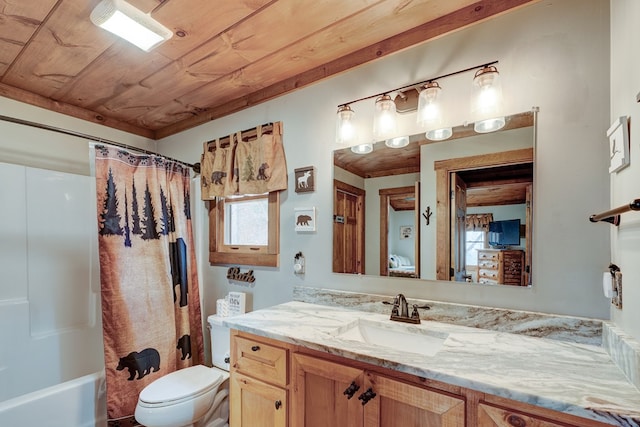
415	314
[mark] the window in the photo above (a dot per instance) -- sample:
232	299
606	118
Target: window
474	240
244	230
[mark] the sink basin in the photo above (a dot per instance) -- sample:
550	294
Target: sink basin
397	336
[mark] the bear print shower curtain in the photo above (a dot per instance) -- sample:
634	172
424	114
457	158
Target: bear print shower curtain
149	286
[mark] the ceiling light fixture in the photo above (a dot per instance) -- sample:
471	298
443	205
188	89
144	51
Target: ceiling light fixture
129	23
486	110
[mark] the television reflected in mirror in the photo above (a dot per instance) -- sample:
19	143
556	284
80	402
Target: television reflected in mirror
503	234
462	197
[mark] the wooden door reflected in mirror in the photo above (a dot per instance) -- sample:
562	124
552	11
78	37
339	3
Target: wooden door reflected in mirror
348	228
400	231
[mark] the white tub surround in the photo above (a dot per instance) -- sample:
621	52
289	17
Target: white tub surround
574	378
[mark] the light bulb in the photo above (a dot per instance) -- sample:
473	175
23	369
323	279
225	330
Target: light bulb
487	103
345	129
385	120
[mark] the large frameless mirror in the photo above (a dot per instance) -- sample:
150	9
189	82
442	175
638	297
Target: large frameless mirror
454	210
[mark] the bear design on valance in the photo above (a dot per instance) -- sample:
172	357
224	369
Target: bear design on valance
253	162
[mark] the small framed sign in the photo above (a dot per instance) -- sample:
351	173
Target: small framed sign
618	135
406	231
305	180
305	219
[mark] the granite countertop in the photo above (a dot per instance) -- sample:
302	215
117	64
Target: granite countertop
576	378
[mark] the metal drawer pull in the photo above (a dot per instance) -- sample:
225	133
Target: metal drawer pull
255	348
367	396
278	404
351	390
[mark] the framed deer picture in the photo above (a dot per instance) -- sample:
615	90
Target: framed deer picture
305	179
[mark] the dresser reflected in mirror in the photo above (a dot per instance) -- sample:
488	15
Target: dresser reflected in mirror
454	210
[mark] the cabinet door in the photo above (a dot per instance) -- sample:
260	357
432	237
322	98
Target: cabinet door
319	398
491	416
254	403
400	404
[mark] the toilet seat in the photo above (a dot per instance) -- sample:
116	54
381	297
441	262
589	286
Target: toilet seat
182	385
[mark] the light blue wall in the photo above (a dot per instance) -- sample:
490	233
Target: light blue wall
625	85
552	54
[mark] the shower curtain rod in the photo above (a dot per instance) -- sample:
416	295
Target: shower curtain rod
196	167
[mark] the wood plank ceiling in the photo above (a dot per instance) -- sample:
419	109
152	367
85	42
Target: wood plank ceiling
225	55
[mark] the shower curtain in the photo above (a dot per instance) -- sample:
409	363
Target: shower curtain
150	300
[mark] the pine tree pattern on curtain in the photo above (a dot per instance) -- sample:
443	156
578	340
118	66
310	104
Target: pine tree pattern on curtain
152	323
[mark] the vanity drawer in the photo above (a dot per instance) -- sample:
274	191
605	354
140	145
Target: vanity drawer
260	360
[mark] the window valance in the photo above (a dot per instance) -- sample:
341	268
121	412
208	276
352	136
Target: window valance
479	222
246	162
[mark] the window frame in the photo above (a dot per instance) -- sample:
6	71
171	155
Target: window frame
258	255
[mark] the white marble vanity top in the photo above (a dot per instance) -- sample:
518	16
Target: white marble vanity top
575	378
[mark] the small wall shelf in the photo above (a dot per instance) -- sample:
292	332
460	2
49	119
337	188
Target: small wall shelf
613	216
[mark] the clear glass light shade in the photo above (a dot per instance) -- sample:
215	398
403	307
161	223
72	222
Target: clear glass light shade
385	118
487	109
362	148
439	134
430	113
129	23
398	142
345	128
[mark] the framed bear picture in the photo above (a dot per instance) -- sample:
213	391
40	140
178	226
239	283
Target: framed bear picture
305	219
305	180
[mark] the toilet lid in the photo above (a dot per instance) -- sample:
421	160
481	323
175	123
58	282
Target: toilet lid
181	384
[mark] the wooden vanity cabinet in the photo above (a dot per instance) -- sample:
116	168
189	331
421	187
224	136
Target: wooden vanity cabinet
493	411
321	391
258	386
275	384
321	398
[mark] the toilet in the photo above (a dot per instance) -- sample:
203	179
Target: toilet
197	396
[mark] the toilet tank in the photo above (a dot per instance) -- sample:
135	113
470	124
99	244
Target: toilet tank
220	342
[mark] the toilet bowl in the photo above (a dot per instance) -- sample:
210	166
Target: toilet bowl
191	397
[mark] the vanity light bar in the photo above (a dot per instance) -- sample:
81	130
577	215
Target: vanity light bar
486	109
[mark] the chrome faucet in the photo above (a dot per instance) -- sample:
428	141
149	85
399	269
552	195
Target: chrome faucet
400	310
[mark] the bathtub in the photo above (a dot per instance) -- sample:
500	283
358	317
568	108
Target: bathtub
77	403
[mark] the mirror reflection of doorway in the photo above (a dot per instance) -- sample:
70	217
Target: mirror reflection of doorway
400	231
499	187
348	228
